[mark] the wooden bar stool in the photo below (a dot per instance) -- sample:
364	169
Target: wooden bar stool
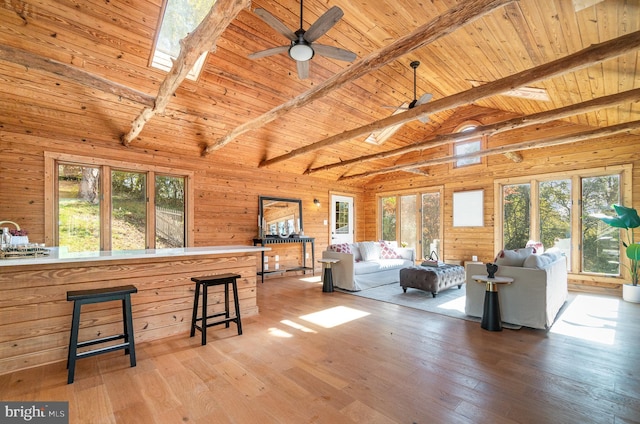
108	294
215	280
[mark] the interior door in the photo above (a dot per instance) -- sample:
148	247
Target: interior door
342	223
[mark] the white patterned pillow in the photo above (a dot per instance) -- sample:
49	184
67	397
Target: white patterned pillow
341	248
387	251
369	250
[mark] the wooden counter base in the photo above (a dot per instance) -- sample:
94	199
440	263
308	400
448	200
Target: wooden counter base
35	317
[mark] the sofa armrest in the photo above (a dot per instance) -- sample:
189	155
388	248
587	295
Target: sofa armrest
408	253
343	272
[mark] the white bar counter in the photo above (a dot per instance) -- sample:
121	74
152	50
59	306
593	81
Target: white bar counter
35	316
61	255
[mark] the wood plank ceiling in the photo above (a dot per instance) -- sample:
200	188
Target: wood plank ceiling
113	41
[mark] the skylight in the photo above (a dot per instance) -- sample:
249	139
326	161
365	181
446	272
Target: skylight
180	17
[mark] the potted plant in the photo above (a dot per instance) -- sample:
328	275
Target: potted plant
627	219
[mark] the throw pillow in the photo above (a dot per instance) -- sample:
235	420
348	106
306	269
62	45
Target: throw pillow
387	251
369	250
341	247
514	257
538	248
541	261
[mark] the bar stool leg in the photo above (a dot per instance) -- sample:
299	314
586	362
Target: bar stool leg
128	330
204	314
73	342
236	303
194	315
226	304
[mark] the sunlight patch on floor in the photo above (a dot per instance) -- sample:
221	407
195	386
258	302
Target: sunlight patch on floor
279	333
314	279
454	305
297	326
333	317
589	318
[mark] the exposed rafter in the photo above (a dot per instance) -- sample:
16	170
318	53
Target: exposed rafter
72	73
497	128
202	39
591	55
526	145
461	14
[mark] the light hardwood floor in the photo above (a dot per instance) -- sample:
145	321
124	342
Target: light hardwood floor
387	364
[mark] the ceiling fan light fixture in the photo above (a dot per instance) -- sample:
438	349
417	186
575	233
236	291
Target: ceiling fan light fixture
301	52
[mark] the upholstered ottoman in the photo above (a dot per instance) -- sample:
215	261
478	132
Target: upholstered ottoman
432	279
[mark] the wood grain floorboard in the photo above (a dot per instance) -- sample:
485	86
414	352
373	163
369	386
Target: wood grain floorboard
298	363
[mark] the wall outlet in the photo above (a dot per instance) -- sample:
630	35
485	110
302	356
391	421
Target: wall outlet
325	222
277	266
266	259
306	256
277	257
266	267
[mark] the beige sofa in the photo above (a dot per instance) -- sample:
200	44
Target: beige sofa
533	299
365	265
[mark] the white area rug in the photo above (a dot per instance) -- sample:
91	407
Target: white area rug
449	302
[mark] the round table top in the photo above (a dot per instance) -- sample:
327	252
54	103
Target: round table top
497	279
329	260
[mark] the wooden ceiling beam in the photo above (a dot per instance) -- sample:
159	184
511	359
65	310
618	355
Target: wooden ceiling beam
73	74
592	55
630	96
202	39
461	14
626	127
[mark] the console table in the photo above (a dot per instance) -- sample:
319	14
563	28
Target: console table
279	240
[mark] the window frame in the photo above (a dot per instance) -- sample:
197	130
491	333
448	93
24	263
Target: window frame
106	166
624	171
480	138
418	215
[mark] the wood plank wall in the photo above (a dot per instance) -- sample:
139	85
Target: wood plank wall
226	197
461	243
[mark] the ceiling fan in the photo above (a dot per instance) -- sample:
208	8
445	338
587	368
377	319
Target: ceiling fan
416	102
303	47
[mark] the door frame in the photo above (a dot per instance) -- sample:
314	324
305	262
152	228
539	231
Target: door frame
331	203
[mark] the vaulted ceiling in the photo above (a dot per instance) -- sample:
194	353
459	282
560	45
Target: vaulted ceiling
112	41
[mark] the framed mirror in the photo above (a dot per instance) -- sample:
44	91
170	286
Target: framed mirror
279	217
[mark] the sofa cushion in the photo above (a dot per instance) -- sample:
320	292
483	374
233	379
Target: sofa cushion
341	248
387	251
514	257
369	250
379	265
541	261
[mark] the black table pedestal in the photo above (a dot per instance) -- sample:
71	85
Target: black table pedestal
491	316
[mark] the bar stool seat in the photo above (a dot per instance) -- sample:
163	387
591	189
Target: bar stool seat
107	294
205	283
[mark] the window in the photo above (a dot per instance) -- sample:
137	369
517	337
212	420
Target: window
469	146
412	220
112	206
542	209
179	18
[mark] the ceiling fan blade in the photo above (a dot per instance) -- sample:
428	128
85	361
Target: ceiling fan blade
423	118
395	107
334	52
275	23
424	99
269	52
303	69
323	24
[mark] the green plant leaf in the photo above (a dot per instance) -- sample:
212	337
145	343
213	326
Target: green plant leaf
633	252
627	216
